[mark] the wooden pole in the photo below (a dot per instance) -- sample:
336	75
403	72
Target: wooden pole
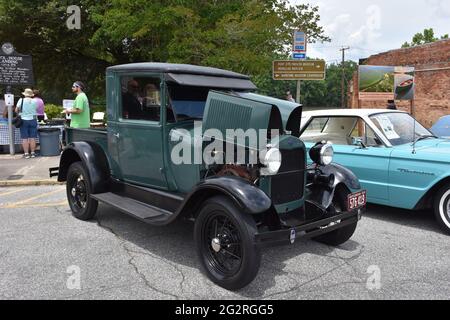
298	91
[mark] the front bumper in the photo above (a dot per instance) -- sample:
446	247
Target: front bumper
310	230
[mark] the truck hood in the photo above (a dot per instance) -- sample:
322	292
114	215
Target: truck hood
291	112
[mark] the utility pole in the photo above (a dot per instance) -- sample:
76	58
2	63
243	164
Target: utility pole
343	76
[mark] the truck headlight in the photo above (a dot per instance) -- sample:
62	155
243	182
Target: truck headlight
322	153
272	162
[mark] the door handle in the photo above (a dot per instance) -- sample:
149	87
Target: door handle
117	135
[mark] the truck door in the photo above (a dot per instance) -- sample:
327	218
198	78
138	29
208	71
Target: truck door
139	132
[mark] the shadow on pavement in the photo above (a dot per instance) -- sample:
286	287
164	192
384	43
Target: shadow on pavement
422	219
175	244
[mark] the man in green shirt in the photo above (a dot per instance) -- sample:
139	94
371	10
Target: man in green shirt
81	116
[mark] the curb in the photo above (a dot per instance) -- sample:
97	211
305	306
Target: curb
22	183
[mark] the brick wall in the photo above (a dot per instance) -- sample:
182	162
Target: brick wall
432	95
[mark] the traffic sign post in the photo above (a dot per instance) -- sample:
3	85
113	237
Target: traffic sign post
299	70
300	41
9	103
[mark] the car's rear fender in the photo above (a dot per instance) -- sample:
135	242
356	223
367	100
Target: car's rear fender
93	158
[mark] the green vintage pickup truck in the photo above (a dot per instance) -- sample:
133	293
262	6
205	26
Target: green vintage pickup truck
172	150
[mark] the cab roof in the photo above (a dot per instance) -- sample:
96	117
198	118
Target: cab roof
177	69
348	112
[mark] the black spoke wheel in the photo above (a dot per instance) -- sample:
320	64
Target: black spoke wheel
343	234
224	239
78	188
442	208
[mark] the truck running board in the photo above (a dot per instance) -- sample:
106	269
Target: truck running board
132	207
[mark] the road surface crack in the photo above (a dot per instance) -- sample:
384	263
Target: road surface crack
132	263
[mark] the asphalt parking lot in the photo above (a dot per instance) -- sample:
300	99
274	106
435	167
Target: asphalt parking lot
45	253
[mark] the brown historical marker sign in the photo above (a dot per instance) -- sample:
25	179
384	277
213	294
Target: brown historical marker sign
299	70
15	69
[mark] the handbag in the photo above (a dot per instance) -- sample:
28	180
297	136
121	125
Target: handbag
17	121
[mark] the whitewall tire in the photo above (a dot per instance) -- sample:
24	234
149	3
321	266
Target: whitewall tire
442	208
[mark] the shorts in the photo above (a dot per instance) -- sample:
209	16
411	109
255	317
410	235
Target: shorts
28	130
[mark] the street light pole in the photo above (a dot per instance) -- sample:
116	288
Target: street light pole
343	76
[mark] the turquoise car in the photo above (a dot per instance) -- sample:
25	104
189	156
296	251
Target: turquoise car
400	162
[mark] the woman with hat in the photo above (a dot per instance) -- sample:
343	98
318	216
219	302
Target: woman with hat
27	108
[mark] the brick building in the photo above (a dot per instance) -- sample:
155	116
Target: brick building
432	78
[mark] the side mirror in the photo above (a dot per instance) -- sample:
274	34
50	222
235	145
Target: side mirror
358	141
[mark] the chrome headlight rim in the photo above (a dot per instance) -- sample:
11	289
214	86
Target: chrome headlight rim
326	159
271	162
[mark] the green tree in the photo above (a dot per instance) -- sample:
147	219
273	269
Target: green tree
427	36
239	35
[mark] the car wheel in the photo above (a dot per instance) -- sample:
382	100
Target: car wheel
225	246
78	188
442	208
341	235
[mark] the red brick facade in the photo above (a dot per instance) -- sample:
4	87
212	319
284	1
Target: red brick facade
432	95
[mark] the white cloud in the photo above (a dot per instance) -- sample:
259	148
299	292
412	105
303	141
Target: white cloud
441	8
373	26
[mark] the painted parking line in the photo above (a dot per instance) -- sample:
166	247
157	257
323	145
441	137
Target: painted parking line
11	192
35	205
26	201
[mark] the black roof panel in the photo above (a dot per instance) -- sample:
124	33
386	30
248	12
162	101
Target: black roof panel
176	68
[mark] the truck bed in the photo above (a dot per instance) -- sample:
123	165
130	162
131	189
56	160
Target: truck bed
98	136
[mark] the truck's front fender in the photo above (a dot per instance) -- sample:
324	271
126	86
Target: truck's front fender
93	158
324	196
247	197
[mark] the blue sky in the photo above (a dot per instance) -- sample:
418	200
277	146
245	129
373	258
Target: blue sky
370	27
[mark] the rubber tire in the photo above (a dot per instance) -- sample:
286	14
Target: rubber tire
440	202
341	235
251	254
90	210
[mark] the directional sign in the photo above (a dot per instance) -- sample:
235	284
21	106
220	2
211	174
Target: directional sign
299	70
299	42
299	56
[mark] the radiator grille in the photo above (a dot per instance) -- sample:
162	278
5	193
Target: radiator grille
288	185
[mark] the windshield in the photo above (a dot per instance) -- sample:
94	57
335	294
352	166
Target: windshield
399	128
187	102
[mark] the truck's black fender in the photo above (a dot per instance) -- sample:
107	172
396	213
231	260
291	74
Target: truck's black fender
93	158
324	196
246	196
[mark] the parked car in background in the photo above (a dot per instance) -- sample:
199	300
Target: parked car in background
400	162
442	127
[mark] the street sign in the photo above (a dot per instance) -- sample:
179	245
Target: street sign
299	42
9	100
15	69
299	70
299	56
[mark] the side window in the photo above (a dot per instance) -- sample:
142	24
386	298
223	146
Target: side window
366	134
313	131
141	98
337	130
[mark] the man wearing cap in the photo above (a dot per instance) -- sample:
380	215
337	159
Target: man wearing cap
81	116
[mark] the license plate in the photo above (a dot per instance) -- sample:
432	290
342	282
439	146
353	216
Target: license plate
356	200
